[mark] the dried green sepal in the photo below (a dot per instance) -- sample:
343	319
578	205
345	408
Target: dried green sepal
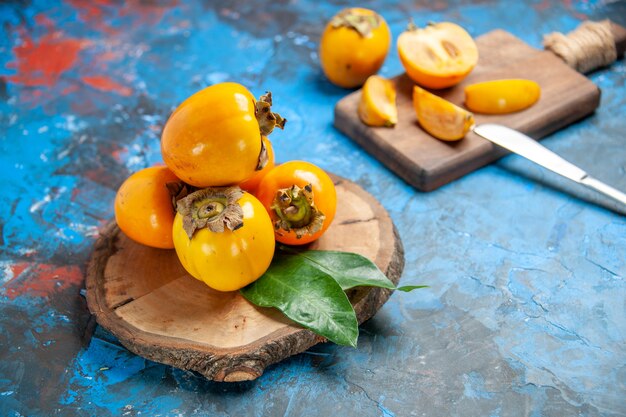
296	211
266	118
363	24
263	157
179	190
214	208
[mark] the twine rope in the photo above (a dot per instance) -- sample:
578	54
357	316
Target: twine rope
588	47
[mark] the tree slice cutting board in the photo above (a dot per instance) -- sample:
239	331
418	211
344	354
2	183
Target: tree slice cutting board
145	297
427	163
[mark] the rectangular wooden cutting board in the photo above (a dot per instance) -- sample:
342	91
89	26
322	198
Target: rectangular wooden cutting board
427	163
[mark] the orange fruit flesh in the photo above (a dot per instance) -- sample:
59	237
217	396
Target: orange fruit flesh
438	56
501	96
377	106
439	117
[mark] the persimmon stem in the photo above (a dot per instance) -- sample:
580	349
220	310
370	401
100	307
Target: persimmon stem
411	26
296	211
214	208
210	209
363	24
268	120
178	190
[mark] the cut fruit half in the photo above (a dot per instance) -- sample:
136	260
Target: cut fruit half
439	117
378	102
437	56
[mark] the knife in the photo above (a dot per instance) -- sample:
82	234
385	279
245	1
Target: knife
532	150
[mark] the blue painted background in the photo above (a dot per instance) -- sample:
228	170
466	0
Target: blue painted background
525	314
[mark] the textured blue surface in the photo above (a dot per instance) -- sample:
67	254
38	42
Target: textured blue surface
525	314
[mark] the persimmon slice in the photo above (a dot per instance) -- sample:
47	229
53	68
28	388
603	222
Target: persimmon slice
501	96
377	106
439	117
437	56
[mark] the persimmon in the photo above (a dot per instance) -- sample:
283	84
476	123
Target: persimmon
301	200
144	209
439	117
354	46
214	137
501	96
223	236
252	183
438	56
377	106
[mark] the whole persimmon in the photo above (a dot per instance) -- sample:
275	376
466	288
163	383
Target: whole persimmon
354	46
144	209
223	236
214	137
301	200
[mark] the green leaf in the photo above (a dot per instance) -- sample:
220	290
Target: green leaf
307	295
348	269
308	287
409	288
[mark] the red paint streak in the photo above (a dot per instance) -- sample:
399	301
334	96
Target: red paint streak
104	83
109	56
97	175
69	90
42	280
83	107
97	13
75	194
43	20
118	153
42	63
570	6
17	269
93	14
147	13
88	11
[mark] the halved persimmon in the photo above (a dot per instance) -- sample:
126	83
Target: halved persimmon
377	106
438	56
439	117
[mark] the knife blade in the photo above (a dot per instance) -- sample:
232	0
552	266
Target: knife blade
532	150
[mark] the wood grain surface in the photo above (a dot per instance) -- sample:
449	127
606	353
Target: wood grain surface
427	163
145	297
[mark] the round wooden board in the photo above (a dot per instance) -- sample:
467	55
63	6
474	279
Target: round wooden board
147	300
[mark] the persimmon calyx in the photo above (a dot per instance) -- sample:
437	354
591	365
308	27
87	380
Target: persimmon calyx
178	190
214	208
267	119
363	24
411	26
263	156
296	211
